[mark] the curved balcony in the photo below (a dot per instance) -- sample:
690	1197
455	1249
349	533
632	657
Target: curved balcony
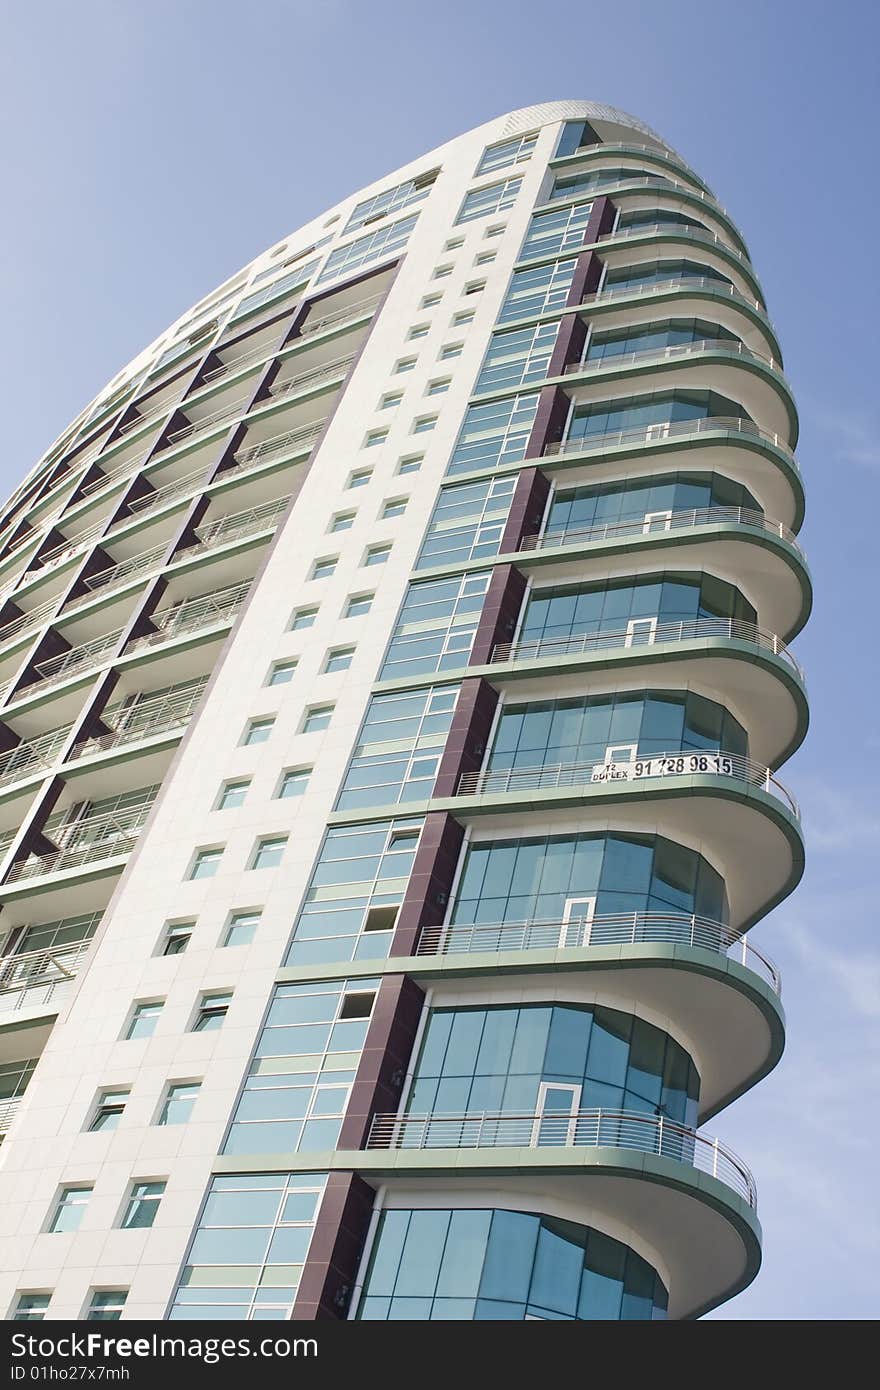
588	153
701	285
603	929
675	232
780	585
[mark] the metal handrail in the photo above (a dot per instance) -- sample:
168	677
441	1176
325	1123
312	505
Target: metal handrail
642	768
239	524
626	182
218	417
8	1110
280	443
37	970
59	553
602	929
138	564
351	311
192	614
28	620
67	663
226	368
131	723
34	756
677	229
622	146
165	494
73	857
327	372
671	429
613	1129
682	630
673	350
623	291
149	419
645	525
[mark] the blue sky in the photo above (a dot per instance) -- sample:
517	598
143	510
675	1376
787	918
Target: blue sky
151	149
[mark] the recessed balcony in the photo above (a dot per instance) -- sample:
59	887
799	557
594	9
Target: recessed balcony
287	445
339	318
32	757
168	711
192	615
39	978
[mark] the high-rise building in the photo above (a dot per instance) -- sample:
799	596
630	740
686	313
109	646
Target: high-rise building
394	672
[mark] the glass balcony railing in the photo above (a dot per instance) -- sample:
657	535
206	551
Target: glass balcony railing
670	353
606	1129
659	524
671	429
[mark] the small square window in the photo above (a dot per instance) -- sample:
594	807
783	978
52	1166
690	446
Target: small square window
178	1103
211	1012
423	423
294	783
390	400
338	659
377	555
241	928
462	319
317	718
303	618
232	794
395	506
143	1203
453	243
31	1307
419	330
475	287
411	464
206	863
375	437
342	521
485	258
258	731
450	350
358	605
175	938
144	1018
281	673
323	568
497	230
437	387
405	364
440	273
106	1305
69	1208
269	852
108	1110
360	477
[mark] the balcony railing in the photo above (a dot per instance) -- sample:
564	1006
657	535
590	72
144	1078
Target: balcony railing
653	767
237	526
674	350
34	756
192	614
161	495
658	524
28	620
227	413
624	182
39	977
701	235
59	553
129	723
138	564
150	418
227	368
295	441
611	1129
8	1110
58	668
671	429
310	380
88	840
351	312
639	289
603	929
682	630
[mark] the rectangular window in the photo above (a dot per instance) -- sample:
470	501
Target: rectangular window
140	1213
475	287
179	1100
31	1307
377	555
436	625
405	364
375	437
342	521
419	330
282	673
232	794
462	319
399	748
430	301
317	717
494	434
339	659
498	229
211	1012
106	1305
497	197
206	863
176	938
392	200
519	357
323	568
557	232
411	464
451	350
108	1110
69	1208
538	290
438	386
303	618
360	477
453	243
258	731
395	506
145	1017
241	928
294	783
507	152
269	852
485	258
467	522
381	244
424	423
358	605
440	273
389	401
